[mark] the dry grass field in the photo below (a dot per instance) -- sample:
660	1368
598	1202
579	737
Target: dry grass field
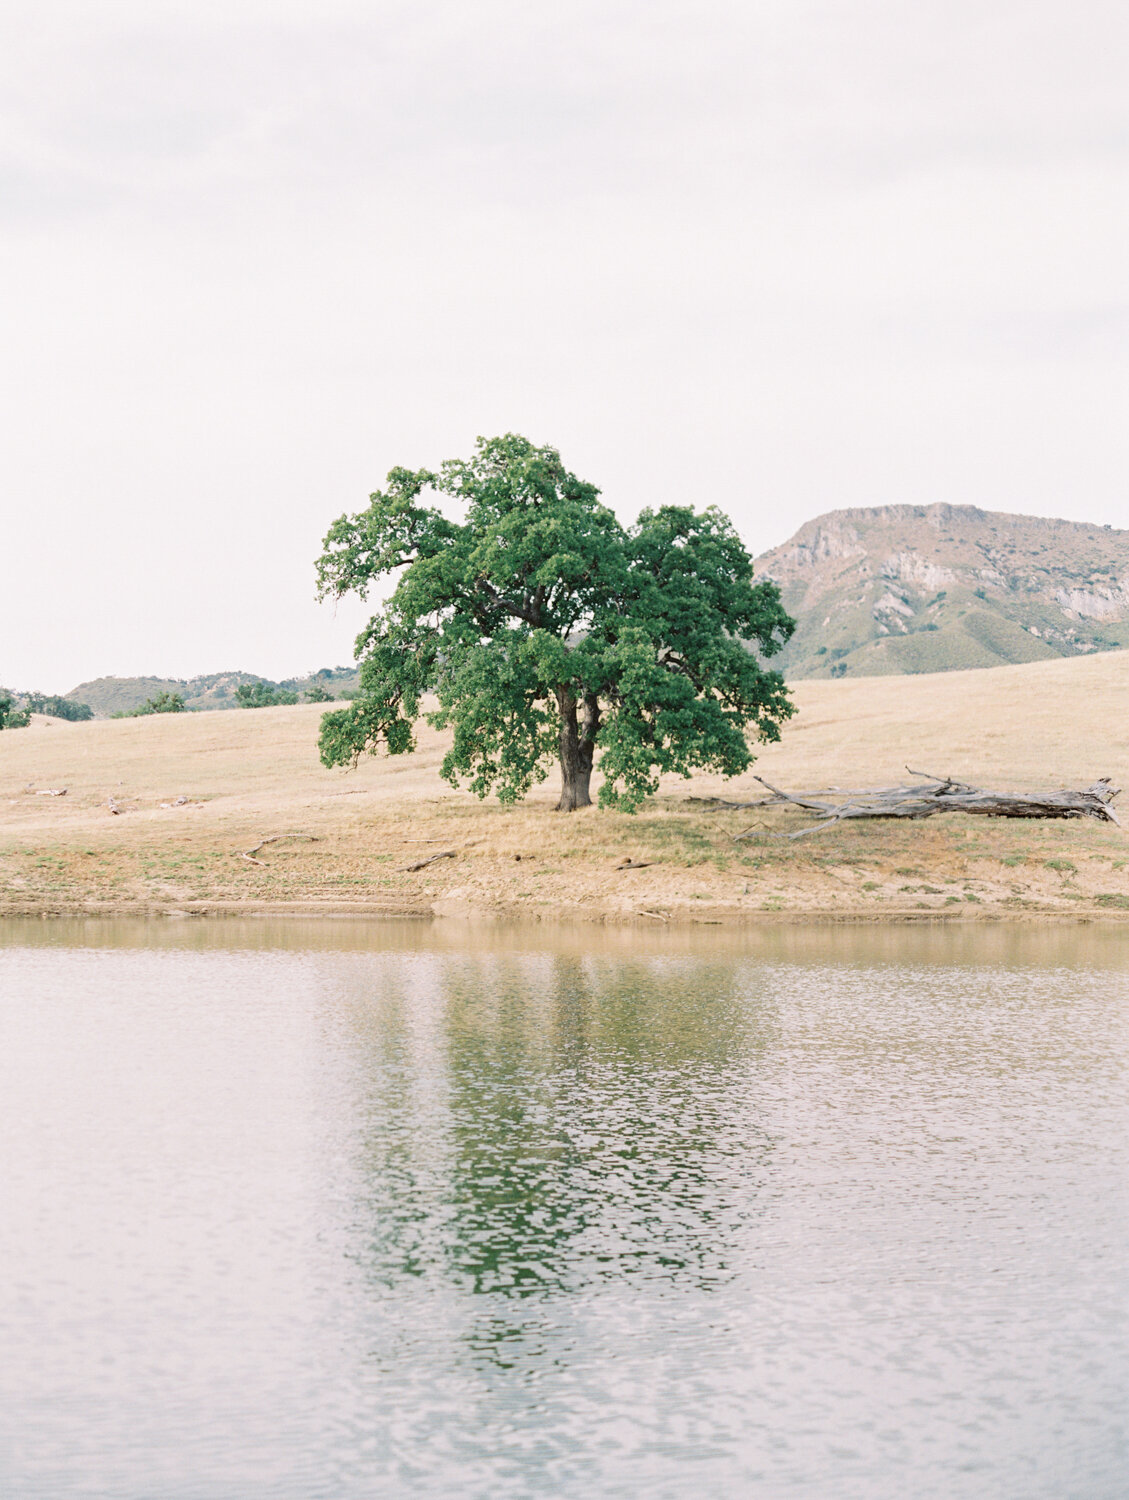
250	774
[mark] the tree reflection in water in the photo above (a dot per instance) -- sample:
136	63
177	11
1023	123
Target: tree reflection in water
547	1124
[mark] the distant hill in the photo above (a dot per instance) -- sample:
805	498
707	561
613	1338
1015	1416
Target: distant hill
934	588
113	695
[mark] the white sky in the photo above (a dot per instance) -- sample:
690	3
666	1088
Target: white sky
786	255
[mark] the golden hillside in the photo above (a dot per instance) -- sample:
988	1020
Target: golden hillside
256	772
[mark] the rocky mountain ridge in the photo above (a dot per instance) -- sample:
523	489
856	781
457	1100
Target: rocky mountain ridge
933	588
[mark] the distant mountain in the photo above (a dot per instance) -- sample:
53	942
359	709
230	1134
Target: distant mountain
933	588
113	695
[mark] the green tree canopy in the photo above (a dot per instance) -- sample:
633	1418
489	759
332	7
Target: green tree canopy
547	629
263	695
58	708
12	717
163	702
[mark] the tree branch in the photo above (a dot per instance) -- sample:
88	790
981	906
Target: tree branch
271	838
430	860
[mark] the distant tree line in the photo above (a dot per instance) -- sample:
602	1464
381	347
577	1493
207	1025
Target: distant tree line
58	708
270	695
160	703
12	717
16	709
262	695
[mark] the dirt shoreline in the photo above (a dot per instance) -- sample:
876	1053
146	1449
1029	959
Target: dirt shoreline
563	915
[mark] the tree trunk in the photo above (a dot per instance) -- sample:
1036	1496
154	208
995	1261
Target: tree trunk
578	747
932	795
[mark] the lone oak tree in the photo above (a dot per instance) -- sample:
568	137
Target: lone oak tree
545	628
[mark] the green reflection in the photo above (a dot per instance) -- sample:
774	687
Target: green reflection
543	1124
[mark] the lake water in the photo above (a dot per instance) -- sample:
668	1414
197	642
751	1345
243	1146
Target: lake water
341	1210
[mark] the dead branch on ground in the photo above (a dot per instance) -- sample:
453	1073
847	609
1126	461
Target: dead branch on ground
634	864
273	838
430	860
933	794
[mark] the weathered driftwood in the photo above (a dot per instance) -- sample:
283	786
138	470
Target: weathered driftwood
273	838
933	794
430	860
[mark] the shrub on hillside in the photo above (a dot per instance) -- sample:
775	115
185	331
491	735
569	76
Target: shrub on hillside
12	717
262	695
162	703
58	708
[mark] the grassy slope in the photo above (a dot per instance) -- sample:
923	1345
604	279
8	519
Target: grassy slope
253	773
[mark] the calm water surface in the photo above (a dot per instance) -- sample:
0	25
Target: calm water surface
336	1211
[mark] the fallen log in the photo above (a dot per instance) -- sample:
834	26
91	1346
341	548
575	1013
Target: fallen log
635	864
933	794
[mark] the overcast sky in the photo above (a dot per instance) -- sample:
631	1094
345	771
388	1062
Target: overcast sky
785	255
